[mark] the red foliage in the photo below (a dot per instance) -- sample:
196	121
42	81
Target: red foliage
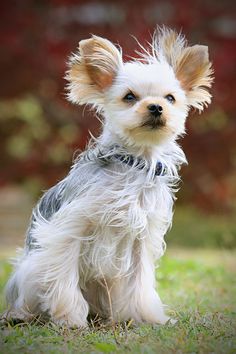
38	36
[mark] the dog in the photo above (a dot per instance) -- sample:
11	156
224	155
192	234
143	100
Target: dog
94	238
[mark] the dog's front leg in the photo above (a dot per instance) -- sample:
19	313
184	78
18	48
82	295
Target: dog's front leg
135	296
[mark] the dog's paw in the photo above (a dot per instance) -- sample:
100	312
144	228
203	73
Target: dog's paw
172	321
67	322
15	317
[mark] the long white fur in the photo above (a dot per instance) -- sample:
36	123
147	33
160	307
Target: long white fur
106	222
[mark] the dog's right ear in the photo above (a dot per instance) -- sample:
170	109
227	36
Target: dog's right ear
92	70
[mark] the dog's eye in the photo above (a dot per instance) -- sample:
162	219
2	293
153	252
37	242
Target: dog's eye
170	98
129	97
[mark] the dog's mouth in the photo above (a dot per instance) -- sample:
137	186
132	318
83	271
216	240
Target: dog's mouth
154	123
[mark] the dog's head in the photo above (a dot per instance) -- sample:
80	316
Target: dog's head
146	100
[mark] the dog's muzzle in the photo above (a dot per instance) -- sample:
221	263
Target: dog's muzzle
155	119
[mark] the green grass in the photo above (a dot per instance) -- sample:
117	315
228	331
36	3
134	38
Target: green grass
192	228
198	285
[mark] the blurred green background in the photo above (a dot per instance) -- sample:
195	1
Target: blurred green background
40	130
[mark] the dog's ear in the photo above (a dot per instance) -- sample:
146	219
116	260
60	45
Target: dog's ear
194	72
92	70
190	64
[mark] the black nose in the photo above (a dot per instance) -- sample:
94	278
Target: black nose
155	109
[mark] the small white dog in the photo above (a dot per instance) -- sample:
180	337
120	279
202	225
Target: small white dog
94	238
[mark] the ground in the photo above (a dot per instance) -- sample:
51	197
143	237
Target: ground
197	283
199	286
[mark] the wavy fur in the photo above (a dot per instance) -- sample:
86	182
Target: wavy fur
95	237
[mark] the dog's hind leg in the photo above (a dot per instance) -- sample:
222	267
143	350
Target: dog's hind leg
47	279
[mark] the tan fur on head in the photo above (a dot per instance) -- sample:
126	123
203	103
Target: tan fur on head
190	64
92	70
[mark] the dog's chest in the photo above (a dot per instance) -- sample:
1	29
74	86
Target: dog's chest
127	214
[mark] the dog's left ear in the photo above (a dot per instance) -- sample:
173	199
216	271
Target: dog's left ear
193	70
190	64
92	70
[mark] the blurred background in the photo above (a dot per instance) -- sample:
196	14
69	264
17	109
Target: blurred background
40	130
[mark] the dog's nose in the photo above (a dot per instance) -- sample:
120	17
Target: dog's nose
155	109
